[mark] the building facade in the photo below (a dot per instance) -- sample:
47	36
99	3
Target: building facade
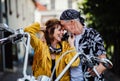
53	9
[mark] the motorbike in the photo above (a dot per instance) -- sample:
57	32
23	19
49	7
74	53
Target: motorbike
88	60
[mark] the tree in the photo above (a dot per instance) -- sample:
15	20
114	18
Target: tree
103	15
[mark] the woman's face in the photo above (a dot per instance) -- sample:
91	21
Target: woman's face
58	33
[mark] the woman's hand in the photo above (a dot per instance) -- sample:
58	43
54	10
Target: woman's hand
71	39
42	28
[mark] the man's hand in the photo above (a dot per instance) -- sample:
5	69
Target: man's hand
99	68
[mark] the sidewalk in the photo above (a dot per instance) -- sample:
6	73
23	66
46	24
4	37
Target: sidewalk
9	76
13	75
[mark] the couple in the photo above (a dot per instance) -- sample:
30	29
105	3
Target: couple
49	51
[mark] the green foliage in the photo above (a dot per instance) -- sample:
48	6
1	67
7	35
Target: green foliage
103	15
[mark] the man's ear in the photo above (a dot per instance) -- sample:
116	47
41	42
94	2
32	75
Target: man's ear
72	24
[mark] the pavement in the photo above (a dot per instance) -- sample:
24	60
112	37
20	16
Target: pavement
15	73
